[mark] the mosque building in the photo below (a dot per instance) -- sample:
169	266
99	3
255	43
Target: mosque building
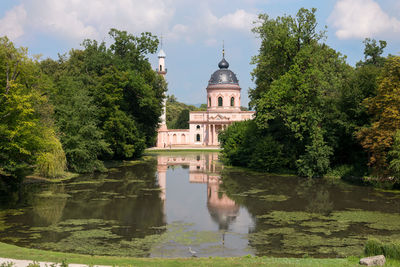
223	108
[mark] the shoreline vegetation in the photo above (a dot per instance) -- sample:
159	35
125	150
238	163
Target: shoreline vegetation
15	252
112	164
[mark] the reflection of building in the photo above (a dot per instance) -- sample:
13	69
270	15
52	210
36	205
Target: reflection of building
203	169
223	108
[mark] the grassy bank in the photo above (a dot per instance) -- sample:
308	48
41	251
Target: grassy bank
14	252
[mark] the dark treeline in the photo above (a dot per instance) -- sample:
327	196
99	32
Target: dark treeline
315	114
97	103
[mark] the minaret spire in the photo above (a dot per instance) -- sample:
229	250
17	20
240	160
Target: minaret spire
162	70
161	60
223	49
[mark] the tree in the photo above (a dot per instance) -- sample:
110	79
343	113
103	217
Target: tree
299	82
108	99
373	53
178	113
363	83
26	125
378	138
281	39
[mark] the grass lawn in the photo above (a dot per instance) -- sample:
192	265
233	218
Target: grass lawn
14	252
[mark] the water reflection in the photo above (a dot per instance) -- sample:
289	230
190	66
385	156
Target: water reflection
48	206
203	169
162	206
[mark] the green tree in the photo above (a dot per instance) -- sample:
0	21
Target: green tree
363	83
178	113
281	39
108	99
299	82
26	125
77	120
373	52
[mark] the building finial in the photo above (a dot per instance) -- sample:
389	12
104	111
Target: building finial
161	41
223	49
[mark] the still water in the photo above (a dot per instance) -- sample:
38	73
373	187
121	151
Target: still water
169	202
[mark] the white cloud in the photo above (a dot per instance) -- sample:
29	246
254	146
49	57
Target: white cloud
75	20
12	24
240	20
177	32
362	18
78	19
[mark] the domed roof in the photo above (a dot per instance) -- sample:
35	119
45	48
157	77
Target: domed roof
223	75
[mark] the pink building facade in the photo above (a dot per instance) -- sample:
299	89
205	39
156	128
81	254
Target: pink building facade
223	108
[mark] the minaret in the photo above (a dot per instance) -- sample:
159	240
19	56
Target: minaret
162	139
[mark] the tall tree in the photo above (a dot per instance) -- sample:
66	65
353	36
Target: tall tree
26	126
378	139
116	92
281	39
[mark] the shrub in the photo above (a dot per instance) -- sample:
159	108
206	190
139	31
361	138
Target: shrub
375	247
53	162
245	145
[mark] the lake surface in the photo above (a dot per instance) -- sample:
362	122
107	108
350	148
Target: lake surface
169	202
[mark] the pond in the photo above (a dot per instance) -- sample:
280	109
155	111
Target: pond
170	202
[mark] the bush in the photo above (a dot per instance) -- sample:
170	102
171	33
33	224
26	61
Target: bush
245	145
53	162
375	247
315	162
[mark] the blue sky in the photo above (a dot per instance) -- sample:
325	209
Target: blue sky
194	30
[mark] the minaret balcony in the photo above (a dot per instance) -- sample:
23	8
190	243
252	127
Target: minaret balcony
162	72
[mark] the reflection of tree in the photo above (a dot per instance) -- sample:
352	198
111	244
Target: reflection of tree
129	195
320	203
316	195
49	205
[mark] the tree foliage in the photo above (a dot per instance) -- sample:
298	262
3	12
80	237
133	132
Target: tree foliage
308	100
378	138
281	39
108	100
178	113
27	136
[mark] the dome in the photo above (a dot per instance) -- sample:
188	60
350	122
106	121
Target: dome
223	64
223	75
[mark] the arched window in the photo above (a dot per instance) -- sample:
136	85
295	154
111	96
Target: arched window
232	101
197	137
209	101
160	67
198	127
219	101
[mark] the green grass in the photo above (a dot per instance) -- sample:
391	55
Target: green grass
10	251
14	252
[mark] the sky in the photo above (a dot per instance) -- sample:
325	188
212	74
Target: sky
193	31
